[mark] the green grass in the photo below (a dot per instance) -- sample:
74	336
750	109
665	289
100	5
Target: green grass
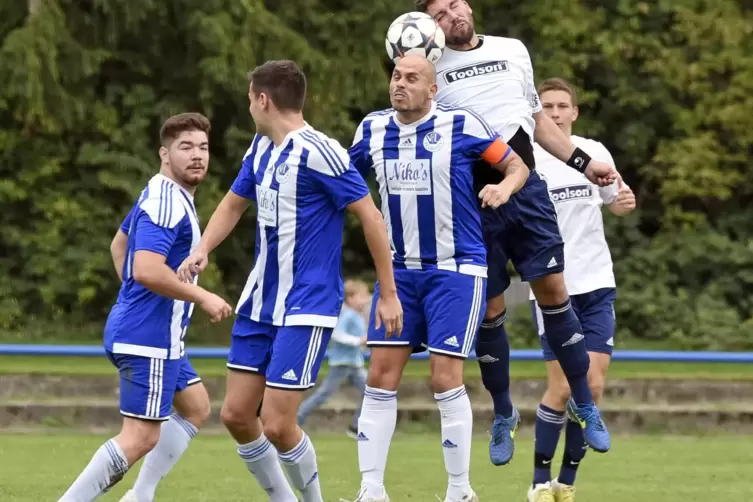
640	468
10	365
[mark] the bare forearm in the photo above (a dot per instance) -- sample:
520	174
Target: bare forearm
162	280
223	221
516	174
619	210
118	260
552	139
118	250
375	232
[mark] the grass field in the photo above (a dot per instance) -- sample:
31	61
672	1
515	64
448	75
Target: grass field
19	365
642	468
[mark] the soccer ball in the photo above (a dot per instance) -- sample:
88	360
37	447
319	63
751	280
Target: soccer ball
415	33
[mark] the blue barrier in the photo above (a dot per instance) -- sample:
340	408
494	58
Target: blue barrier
515	355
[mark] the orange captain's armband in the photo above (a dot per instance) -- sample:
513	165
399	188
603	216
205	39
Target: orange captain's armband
497	152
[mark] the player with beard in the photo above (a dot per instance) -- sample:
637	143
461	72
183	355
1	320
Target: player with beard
146	326
493	76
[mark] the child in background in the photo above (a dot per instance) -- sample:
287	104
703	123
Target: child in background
344	353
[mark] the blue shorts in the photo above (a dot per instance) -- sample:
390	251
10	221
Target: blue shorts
525	232
148	386
595	310
442	310
288	356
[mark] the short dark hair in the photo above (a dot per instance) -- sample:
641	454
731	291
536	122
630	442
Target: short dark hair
177	124
422	5
559	84
283	81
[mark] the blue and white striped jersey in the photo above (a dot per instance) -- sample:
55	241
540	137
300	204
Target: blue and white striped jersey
301	189
143	323
424	173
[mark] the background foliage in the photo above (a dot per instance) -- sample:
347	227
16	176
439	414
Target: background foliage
84	86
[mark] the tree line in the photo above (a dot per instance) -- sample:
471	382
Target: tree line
666	86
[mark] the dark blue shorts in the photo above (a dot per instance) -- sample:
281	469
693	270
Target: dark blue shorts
525	232
595	310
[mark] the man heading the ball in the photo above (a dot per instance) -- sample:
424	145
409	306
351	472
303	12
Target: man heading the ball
423	154
493	76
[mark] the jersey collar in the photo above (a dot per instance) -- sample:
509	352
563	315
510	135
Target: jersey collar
162	177
420	121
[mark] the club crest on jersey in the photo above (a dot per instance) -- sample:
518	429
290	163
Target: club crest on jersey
571	193
283	174
433	142
475	70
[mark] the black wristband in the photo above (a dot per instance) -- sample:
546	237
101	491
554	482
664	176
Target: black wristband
579	160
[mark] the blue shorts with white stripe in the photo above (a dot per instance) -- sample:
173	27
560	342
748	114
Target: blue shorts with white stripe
148	385
442	311
288	356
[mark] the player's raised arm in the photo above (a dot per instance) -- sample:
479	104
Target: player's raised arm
225	217
503	158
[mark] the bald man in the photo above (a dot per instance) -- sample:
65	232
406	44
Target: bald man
423	154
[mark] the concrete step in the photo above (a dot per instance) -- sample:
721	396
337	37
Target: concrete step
40	388
99	415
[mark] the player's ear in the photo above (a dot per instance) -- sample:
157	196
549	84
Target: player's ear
433	90
576	111
163	155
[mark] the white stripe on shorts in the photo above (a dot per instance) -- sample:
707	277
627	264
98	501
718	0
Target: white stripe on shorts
154	397
473	316
315	344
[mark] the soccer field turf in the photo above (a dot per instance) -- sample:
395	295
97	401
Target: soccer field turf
639	468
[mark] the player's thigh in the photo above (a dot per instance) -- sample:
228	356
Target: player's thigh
147	386
414	324
496	258
454	304
297	355
534	244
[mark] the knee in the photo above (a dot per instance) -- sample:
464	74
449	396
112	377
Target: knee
550	290
384	374
199	414
140	439
494	307
446	373
234	418
278	429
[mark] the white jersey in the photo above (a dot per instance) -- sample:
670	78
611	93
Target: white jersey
588	263
494	80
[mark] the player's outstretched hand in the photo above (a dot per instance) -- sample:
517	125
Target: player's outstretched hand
600	173
191	266
216	307
494	196
390	312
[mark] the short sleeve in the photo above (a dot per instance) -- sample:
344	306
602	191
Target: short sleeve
359	150
125	227
330	167
153	237
531	94
245	183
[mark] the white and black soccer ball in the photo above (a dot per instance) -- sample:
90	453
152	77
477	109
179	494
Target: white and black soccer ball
415	33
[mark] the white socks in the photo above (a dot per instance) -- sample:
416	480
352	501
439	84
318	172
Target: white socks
261	460
376	425
175	436
457	433
300	462
107	467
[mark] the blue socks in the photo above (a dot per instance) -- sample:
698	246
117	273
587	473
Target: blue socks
565	336
549	424
575	450
493	354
